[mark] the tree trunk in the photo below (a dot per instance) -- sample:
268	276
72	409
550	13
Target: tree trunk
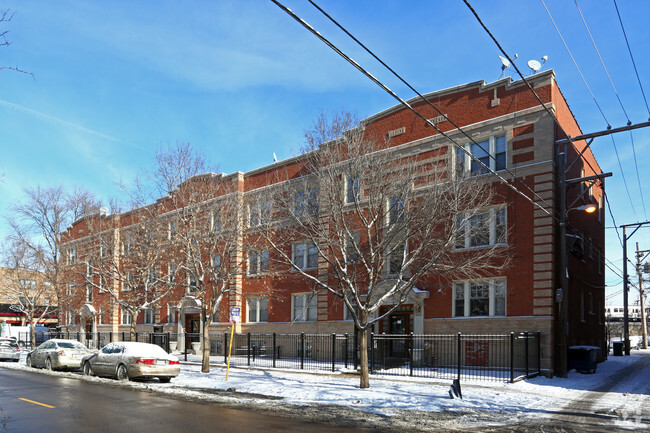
363	359
32	327
132	328
205	362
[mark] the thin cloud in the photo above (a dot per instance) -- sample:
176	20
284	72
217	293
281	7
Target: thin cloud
65	123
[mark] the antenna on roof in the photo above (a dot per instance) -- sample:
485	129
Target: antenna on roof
505	64
275	158
535	66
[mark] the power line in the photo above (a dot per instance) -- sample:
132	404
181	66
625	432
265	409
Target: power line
407	105
425	100
632	57
611	214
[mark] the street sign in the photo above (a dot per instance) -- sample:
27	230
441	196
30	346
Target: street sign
235	314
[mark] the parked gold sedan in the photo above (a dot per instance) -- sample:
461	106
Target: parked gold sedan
129	360
57	354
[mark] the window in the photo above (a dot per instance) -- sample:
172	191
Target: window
480	298
70	316
306	202
258	262
89	293
259	213
347	315
171	230
104	251
72	256
305	255
69	289
352	247
491	152
102	284
395	259
481	229
396	210
126	246
89	269
216	261
172	272
27	284
149	316
258	309
152	276
193	284
171	313
130	281
127	318
102	316
215	223
304	307
352	189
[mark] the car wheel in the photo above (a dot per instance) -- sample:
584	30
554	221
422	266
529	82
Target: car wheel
164	379
28	361
48	364
122	374
88	371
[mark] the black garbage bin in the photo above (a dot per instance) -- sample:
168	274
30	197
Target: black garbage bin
583	358
618	348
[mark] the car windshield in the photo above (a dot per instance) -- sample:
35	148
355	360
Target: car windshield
71	345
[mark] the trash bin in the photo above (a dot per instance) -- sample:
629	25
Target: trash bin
618	348
583	358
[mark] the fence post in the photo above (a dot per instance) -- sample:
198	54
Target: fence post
248	349
512	357
333	352
345	350
356	349
458	355
274	349
410	349
168	338
225	347
371	347
302	350
123	336
539	353
526	351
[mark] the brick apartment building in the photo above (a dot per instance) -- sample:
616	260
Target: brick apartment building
503	116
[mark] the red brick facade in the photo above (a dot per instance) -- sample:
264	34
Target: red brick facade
500	109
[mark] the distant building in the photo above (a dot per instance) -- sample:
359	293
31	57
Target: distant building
16	285
506	118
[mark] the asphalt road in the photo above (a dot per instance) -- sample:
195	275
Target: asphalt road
44	403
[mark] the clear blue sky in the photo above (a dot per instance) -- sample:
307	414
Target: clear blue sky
240	80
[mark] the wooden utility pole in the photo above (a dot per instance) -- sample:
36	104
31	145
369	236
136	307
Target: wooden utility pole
639	267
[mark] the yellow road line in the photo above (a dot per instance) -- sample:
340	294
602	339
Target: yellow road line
35	402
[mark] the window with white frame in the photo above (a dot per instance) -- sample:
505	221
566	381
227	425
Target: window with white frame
306	202
70	317
171	272
352	243
27	284
171	313
491	152
352	189
304	307
305	255
215	222
69	289
193	284
102	284
396	210
258	309
127	318
258	262
128	283
72	255
480	298
481	229
216	261
89	269
89	293
395	259
102	316
126	246
149	316
171	230
259	213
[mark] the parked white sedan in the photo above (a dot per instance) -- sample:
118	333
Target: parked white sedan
57	354
130	360
9	350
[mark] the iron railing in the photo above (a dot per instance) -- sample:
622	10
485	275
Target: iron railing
498	357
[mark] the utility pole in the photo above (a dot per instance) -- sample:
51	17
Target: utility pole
626	284
639	268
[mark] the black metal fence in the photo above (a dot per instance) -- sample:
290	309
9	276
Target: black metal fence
501	357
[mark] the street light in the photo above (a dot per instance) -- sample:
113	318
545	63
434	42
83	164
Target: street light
589	208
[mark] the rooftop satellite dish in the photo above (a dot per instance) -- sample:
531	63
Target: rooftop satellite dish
505	64
535	66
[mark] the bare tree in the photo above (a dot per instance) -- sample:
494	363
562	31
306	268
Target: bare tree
5	17
367	222
25	282
204	231
37	224
130	264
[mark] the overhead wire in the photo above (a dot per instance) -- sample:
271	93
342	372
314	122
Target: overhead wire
636	71
629	122
407	105
425	100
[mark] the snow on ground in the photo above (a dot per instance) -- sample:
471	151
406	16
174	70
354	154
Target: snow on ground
394	397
